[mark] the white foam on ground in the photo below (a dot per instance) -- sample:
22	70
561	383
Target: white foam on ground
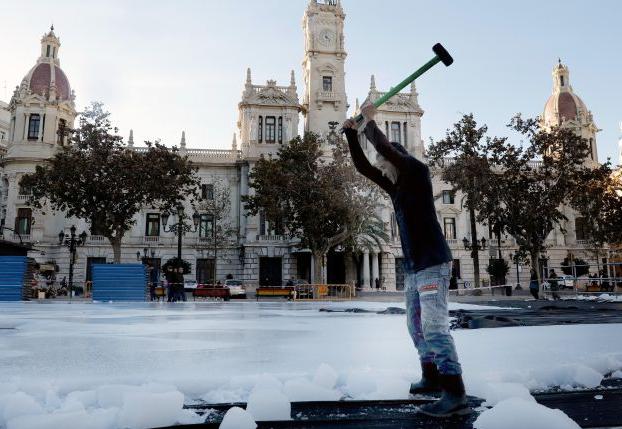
518	413
103	362
266	403
237	418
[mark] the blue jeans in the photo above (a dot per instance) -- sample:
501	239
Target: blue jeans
427	317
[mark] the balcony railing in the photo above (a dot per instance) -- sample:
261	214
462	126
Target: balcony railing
25	238
582	242
23	198
271	237
326	95
452	241
151	239
96	239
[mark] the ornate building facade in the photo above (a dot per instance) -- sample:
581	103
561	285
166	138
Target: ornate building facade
43	105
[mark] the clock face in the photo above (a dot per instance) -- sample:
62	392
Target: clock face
326	38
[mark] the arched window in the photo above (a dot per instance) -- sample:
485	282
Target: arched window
260	130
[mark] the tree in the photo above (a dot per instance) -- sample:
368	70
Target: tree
215	228
498	269
322	202
528	197
467	149
599	201
99	179
575	267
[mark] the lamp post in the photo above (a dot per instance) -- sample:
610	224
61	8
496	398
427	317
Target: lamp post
475	247
180	228
515	259
145	250
72	241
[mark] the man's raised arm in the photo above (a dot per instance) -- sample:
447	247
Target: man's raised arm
361	162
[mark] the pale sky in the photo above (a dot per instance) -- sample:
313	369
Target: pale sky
162	67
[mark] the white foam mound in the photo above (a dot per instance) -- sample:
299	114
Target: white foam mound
268	404
145	410
518	413
325	376
300	389
237	418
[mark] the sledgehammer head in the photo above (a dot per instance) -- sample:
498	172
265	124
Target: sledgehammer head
442	54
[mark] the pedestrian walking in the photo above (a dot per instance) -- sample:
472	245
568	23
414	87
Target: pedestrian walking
554	284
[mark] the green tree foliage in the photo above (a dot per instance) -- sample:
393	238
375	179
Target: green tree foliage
462	159
321	201
575	266
498	269
97	178
528	197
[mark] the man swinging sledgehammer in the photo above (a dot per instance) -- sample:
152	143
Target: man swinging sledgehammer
427	262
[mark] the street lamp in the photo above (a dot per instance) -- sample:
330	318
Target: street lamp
515	259
180	228
72	242
145	250
475	247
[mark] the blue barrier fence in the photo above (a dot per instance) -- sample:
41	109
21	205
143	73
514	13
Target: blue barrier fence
119	282
12	272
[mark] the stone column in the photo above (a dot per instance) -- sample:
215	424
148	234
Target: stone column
375	274
365	284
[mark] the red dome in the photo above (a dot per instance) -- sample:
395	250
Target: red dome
563	105
41	78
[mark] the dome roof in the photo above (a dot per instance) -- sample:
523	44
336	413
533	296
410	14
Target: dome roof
43	76
563	106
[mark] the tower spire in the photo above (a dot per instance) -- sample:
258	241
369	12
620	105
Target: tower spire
292	79
234	144
130	141
182	143
372	83
248	76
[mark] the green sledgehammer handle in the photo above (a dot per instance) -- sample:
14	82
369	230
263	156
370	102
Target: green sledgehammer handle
441	56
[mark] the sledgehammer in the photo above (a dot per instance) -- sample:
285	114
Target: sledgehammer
441	56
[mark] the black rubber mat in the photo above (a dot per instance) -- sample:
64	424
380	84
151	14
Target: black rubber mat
597	408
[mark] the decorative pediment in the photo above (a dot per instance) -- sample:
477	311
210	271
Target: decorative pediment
397	103
270	95
327	68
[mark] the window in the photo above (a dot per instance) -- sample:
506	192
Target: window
280	130
405	134
396	135
207	191
262	223
270	129
33	126
448	197
25	190
47	52
62	130
591	148
386	128
327	83
23	221
97	226
2	135
561	80
449	224
153	225
580	226
206	225
260	130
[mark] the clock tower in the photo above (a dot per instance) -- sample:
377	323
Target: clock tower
323	65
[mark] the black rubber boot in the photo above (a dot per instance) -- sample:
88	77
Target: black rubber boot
430	381
453	401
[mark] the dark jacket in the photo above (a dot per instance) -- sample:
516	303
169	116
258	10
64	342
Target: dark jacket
423	242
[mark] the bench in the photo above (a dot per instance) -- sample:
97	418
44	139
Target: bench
275	291
211	292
